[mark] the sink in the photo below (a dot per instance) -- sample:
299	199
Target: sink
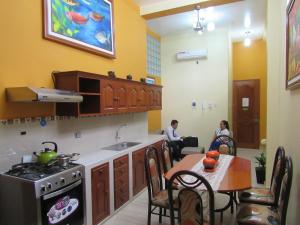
121	146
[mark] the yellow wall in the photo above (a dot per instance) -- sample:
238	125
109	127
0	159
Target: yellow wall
154	117
28	59
251	63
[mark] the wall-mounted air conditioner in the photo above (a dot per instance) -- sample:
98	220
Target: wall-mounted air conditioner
192	54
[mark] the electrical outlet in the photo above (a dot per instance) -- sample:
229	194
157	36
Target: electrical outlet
77	134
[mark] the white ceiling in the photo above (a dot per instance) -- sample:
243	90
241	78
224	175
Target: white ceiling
230	16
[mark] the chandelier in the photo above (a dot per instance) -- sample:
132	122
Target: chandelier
200	26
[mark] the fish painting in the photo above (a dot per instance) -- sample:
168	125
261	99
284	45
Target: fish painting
96	16
103	38
71	2
76	17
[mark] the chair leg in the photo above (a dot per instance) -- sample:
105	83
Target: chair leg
160	215
221	217
149	214
165	212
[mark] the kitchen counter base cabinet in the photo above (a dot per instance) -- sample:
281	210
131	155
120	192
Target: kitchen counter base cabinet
138	169
121	180
100	193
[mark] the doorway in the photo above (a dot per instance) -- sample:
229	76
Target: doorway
246	113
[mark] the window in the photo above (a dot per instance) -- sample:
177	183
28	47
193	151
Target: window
153	56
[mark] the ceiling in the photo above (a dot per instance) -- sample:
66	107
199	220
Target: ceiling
230	16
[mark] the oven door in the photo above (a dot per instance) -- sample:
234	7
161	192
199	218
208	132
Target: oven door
63	207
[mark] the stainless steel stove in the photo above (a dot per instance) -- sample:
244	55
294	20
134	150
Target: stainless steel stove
35	194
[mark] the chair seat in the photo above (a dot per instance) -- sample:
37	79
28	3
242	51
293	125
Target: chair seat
262	196
252	214
162	199
192	150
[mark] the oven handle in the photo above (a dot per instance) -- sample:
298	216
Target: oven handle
64	190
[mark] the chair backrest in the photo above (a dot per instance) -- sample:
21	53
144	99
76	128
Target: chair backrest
190	200
166	156
227	144
277	173
153	172
285	190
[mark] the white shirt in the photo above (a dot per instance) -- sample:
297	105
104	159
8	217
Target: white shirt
172	134
220	132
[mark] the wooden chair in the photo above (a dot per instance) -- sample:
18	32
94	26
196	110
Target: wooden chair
267	196
190	200
157	195
227	145
166	155
265	215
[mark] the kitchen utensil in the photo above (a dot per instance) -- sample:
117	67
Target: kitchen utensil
47	154
63	159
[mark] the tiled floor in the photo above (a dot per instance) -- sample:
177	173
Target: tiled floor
135	213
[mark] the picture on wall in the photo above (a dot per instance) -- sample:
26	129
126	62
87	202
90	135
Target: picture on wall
83	24
293	45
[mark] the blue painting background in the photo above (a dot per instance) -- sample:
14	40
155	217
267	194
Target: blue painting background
96	33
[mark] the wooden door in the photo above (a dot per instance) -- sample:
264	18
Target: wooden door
121	180
246	113
108	98
158	98
121	95
100	193
132	100
142	98
138	169
150	98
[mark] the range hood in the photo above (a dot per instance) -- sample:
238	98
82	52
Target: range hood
32	94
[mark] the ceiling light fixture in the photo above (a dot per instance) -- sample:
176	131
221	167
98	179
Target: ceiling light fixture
247	40
200	25
247	21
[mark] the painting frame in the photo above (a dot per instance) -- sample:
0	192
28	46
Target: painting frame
292	81
51	35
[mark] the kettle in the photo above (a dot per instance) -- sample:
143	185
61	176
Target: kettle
47	154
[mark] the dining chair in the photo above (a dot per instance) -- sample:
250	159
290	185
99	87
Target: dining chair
157	195
227	144
255	214
267	196
166	156
191	201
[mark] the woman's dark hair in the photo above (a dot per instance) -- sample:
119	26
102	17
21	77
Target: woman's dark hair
174	122
226	124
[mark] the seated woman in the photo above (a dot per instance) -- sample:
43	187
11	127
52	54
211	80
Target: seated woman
223	130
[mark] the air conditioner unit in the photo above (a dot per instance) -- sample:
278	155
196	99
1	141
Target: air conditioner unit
192	54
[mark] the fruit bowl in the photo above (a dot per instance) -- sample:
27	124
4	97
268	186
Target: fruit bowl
213	154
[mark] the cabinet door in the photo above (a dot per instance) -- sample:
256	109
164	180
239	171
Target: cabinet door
142	98
121	181
150	98
108	98
158	98
132	100
139	175
121	95
100	193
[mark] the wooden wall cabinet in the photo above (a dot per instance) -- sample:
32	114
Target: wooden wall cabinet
121	181
103	95
138	170
100	193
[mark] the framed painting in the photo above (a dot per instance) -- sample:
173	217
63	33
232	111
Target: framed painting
84	24
293	45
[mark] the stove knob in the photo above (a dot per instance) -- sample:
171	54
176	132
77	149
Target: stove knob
74	175
62	180
43	188
78	173
49	185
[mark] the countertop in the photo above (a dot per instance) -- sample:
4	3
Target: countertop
100	156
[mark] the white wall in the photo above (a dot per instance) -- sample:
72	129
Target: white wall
186	81
96	132
283	121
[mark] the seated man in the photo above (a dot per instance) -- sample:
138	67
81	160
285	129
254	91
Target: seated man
175	140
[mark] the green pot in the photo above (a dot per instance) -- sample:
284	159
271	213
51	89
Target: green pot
47	154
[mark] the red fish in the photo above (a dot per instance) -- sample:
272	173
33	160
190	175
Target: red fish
76	17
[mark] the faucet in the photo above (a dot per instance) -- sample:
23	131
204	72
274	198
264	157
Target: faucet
118	132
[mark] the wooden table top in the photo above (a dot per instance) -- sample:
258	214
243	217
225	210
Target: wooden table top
237	177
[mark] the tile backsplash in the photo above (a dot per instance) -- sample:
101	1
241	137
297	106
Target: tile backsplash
81	135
